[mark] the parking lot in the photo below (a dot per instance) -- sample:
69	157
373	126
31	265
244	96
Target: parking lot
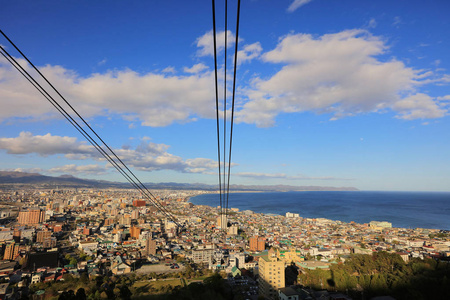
159	269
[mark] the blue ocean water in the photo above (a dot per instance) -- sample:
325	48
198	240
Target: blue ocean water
402	209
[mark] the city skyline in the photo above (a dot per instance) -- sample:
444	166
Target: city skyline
350	93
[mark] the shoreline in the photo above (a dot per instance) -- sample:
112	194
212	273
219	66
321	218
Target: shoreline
394	220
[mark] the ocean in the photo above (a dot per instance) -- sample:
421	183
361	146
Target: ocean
403	209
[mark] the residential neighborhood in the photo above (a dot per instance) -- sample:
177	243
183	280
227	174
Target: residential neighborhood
49	234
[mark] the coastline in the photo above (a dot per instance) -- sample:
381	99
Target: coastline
402	209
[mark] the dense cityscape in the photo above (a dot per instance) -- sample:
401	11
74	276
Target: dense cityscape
343	102
58	240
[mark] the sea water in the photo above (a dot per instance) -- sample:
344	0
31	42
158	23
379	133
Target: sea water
402	209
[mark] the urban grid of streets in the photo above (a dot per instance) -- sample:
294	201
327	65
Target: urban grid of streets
117	231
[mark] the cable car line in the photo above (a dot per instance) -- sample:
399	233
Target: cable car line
225	107
224	191
232	103
74	123
217	103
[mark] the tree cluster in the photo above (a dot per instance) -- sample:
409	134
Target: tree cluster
365	276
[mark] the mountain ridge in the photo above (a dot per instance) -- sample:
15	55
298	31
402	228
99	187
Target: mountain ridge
24	178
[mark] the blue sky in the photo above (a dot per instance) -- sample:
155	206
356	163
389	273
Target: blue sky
329	93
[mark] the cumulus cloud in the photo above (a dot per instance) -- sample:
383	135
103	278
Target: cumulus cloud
25	170
297	4
147	156
153	99
84	169
445	98
44	145
206	42
197	68
201	165
338	74
418	106
341	74
249	52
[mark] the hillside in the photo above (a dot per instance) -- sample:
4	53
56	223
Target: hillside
11	178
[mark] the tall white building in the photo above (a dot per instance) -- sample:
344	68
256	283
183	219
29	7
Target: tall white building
222	221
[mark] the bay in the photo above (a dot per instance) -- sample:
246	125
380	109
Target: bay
402	209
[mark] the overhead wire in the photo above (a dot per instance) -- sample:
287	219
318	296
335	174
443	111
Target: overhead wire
224	192
141	187
232	103
217	104
73	122
225	110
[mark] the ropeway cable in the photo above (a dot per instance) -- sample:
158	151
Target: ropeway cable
43	92
225	111
217	104
232	104
139	186
226	181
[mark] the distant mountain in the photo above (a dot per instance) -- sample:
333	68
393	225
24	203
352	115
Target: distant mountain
69	181
290	188
22	178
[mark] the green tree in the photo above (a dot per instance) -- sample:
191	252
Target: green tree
84	278
81	294
67	295
125	292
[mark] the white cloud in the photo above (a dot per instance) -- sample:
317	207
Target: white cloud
372	23
169	69
424	74
195	68
102	62
153	99
418	106
282	176
84	169
249	52
25	170
397	21
338	74
296	4
44	145
445	98
206	42
201	165
147	156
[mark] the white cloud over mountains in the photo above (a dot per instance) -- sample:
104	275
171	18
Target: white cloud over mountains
282	176
147	156
92	169
341	74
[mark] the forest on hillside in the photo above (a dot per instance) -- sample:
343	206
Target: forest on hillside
364	276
